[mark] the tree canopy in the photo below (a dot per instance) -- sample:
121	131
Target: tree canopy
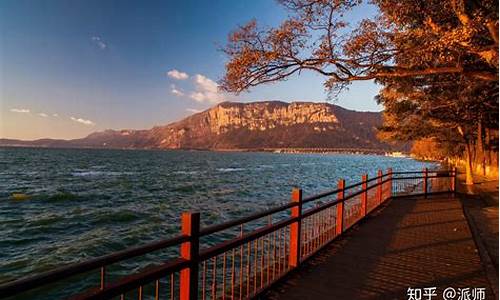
407	38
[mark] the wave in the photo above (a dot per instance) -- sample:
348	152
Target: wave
45	221
186	172
62	196
98	167
230	169
99	173
69	196
266	166
124	216
184	188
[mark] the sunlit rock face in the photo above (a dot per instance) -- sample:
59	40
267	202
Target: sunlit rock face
272	124
267	115
257	125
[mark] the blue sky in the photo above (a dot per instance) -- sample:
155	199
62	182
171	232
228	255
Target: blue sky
68	68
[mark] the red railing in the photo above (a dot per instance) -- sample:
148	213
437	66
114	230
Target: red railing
250	253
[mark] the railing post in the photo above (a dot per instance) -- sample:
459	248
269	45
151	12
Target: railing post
364	196
295	228
379	186
103	277
425	182
389	183
190	251
340	207
453	179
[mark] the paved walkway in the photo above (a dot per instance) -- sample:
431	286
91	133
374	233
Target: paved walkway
412	242
481	203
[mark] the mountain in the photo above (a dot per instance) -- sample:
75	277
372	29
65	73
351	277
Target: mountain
256	125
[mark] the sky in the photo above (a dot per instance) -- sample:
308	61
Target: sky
72	67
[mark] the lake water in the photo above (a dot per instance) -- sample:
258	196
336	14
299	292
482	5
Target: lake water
86	203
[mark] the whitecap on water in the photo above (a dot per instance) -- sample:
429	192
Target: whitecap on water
86	173
186	172
266	166
29	173
230	169
99	173
98	167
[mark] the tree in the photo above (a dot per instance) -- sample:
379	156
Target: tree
443	108
430	149
397	43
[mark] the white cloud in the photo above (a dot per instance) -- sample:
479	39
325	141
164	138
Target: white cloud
177	75
43	115
207	90
193	110
55	115
198	96
83	121
212	98
176	91
98	41
20	110
205	84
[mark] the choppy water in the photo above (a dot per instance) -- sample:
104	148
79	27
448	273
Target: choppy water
86	203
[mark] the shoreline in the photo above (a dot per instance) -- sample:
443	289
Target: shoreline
353	151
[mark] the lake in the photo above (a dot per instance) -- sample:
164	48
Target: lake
82	203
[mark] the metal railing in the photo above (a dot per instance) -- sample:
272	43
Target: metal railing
250	253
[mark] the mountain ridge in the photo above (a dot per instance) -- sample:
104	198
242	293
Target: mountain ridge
237	125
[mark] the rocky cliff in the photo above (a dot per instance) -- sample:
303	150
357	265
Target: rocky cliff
257	125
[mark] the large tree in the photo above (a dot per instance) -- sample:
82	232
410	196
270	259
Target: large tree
396	43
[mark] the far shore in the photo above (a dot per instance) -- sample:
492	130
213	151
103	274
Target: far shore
272	150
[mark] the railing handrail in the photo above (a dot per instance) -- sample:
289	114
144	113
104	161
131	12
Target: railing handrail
32	282
250	236
259	215
28	283
132	281
420	172
333	192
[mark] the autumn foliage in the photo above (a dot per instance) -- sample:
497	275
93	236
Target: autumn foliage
408	38
428	149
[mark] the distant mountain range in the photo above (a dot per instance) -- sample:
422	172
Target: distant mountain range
244	126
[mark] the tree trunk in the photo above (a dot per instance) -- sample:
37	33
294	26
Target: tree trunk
487	138
469	156
480	165
468	165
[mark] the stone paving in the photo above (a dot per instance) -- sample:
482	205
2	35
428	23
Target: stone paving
481	202
411	242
